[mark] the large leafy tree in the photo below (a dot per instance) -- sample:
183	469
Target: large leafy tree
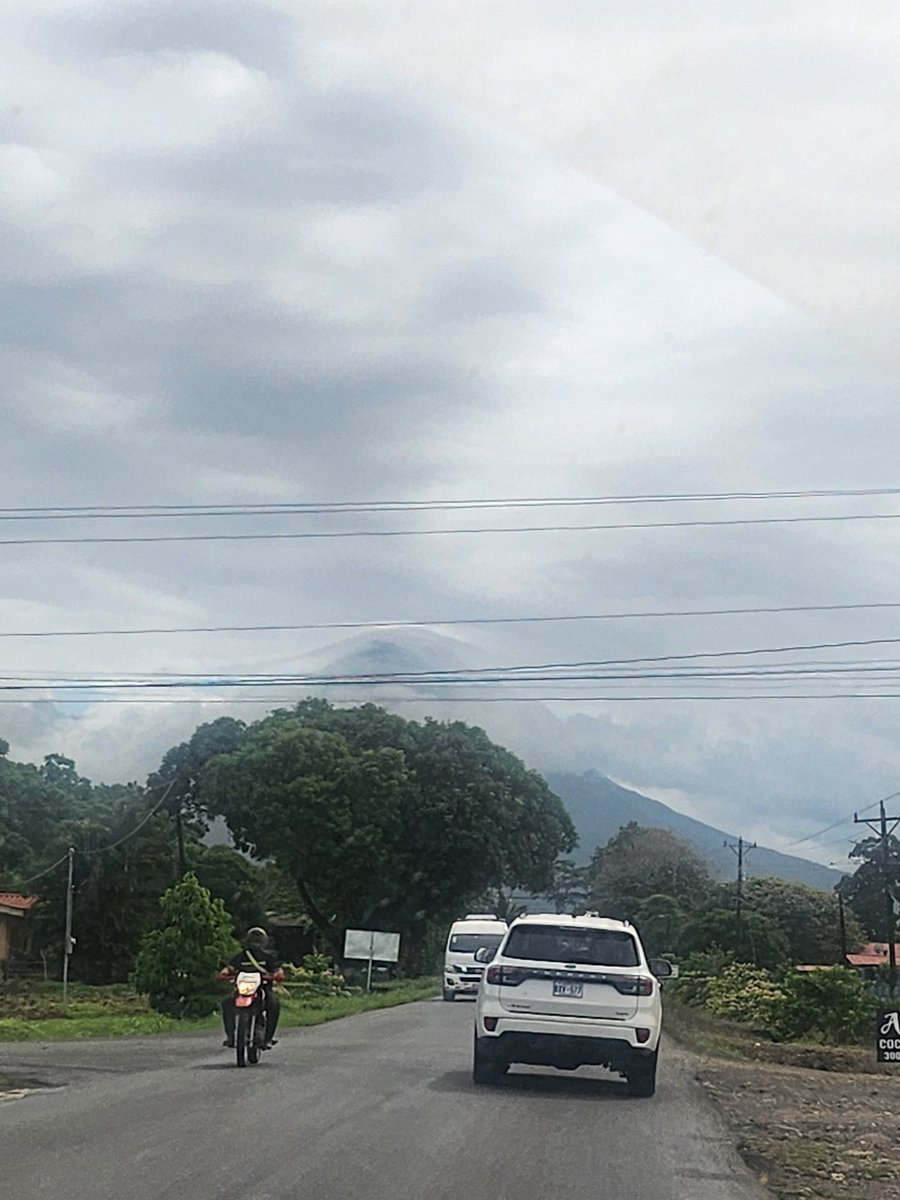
125	855
230	877
34	804
123	863
864	890
640	862
757	939
808	917
383	822
569	890
178	778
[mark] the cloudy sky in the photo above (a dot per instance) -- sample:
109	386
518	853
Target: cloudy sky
325	252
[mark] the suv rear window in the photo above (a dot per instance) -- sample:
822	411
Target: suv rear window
593	947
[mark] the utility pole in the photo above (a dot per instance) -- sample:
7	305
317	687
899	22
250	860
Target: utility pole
840	896
882	832
67	946
740	850
179	832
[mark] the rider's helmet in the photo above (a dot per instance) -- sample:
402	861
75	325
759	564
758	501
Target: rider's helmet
257	938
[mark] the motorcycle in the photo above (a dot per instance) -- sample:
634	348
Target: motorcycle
250	1023
249	1000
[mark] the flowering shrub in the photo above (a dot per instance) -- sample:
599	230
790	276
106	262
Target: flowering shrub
315	978
744	993
698	971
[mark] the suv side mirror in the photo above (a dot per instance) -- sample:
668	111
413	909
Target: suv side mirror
663	969
484	954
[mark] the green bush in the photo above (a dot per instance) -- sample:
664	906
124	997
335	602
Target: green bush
744	993
831	1006
696	973
177	965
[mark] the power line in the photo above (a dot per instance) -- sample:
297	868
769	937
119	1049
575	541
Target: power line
843	821
316	508
140	825
33	878
101	849
447	699
452	621
308	535
489	674
718	675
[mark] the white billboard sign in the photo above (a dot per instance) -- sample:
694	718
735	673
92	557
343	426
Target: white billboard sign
371	945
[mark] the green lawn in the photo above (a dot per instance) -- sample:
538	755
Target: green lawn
39	1014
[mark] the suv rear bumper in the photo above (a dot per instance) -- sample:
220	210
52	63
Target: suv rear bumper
565	1051
575	1029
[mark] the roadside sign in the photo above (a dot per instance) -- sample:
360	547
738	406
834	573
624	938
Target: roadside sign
368	943
887	1036
372	946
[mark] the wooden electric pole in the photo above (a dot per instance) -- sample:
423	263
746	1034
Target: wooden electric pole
881	831
741	850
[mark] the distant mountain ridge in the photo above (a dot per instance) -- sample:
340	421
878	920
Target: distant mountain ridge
598	807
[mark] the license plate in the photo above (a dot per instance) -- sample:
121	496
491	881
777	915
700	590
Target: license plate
574	991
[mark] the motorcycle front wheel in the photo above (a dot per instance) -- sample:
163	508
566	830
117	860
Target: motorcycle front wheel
243	1036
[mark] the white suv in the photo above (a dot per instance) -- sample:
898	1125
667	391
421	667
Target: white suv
567	992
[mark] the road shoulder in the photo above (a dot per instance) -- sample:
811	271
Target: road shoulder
809	1133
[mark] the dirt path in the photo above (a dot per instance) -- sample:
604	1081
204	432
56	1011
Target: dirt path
812	1133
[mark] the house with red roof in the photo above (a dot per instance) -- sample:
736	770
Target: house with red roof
872	956
17	927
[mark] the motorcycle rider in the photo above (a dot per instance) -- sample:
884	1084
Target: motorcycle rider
255	955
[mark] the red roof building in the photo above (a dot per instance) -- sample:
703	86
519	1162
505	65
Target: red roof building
16	901
15	932
873	954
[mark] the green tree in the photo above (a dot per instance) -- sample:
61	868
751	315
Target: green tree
660	920
386	823
178	778
569	890
808	917
177	964
117	887
829	1006
863	891
759	940
641	862
230	877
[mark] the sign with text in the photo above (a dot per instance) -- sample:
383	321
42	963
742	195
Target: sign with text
370	944
887	1036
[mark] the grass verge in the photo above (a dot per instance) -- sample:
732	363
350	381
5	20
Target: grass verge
705	1034
116	1012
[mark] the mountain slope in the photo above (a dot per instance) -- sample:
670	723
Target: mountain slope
599	807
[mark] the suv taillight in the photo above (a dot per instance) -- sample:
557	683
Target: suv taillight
634	985
505	976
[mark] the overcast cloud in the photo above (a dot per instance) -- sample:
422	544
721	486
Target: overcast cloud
358	251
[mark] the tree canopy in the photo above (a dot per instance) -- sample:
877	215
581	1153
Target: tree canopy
639	862
864	889
384	822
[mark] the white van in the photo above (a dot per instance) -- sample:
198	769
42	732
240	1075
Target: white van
461	972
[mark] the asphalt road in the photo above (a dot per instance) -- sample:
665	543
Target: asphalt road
379	1106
